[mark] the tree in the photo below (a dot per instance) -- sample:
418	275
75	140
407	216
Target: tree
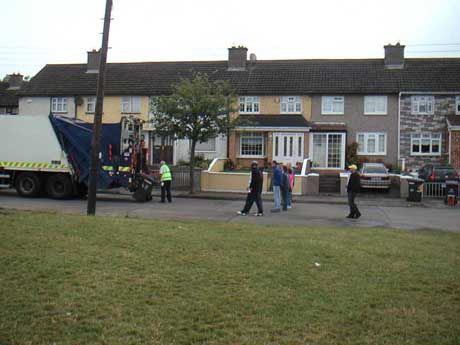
198	110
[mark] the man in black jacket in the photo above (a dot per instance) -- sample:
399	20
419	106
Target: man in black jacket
353	187
254	191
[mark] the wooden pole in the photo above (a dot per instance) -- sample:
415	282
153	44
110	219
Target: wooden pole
96	141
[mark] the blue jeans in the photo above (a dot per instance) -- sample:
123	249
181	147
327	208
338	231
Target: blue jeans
277	196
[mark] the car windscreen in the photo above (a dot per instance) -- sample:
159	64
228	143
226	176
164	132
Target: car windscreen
374	170
445	172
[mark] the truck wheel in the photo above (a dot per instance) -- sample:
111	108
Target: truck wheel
59	186
28	184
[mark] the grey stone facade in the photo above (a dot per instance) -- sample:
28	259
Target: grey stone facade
415	123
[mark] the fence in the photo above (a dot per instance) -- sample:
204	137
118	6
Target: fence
434	189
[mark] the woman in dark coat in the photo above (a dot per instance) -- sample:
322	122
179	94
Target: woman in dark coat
353	187
254	191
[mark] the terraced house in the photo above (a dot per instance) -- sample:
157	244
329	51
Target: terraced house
398	110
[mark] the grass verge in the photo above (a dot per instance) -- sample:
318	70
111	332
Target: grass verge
94	280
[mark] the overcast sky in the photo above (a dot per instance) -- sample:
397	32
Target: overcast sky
35	33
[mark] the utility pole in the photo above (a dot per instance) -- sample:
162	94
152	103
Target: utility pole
96	141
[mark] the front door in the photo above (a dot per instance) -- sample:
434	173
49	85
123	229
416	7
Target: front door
327	150
288	147
162	150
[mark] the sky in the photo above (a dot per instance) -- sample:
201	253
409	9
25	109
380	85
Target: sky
35	33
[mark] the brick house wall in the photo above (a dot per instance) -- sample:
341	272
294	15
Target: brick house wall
413	123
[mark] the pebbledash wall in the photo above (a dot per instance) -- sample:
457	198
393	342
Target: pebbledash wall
417	123
455	149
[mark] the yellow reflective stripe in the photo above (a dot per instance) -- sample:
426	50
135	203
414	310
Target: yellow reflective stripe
124	168
31	165
107	168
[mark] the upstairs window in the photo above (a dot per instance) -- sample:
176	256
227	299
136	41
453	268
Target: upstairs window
90	104
249	104
375	105
291	105
131	104
59	105
457	105
332	105
425	144
423	105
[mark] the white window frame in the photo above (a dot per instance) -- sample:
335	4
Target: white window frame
197	147
59	105
291	105
375	105
90	104
417	102
457	105
328	102
342	150
419	137
131	104
249	105
245	135
365	148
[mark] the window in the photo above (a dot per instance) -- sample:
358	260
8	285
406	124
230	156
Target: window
291	104
131	104
423	105
375	105
249	104
372	143
59	105
90	104
252	144
457	105
328	150
208	146
425	144
331	105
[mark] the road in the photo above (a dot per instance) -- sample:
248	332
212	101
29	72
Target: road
311	214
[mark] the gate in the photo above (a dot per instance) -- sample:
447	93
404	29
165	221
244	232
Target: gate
181	177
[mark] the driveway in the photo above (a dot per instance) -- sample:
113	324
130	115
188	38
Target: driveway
311	214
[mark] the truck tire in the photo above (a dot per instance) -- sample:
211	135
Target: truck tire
59	186
28	184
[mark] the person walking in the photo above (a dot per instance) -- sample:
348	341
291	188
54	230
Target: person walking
256	180
165	181
284	187
291	178
276	178
353	187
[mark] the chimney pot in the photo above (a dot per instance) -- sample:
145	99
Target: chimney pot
237	58
394	56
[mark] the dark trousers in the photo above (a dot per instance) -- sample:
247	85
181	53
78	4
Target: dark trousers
351	202
284	198
250	199
165	188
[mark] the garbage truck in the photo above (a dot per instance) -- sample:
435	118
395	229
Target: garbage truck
51	155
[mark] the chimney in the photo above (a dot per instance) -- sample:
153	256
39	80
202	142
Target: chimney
394	56
15	81
93	61
237	57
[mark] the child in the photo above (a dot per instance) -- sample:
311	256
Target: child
291	178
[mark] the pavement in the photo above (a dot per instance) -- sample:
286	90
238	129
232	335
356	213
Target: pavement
322	211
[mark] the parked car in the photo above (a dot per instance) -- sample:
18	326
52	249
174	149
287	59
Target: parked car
437	173
375	175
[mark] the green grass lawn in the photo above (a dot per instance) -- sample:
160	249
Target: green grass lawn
95	280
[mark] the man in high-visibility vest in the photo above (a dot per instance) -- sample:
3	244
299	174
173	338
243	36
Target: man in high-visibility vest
165	178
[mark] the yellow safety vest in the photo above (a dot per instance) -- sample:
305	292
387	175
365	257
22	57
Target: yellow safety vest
166	176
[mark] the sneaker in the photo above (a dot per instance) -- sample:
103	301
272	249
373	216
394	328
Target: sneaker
289	207
258	214
241	213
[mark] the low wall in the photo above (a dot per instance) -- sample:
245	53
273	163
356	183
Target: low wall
216	180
